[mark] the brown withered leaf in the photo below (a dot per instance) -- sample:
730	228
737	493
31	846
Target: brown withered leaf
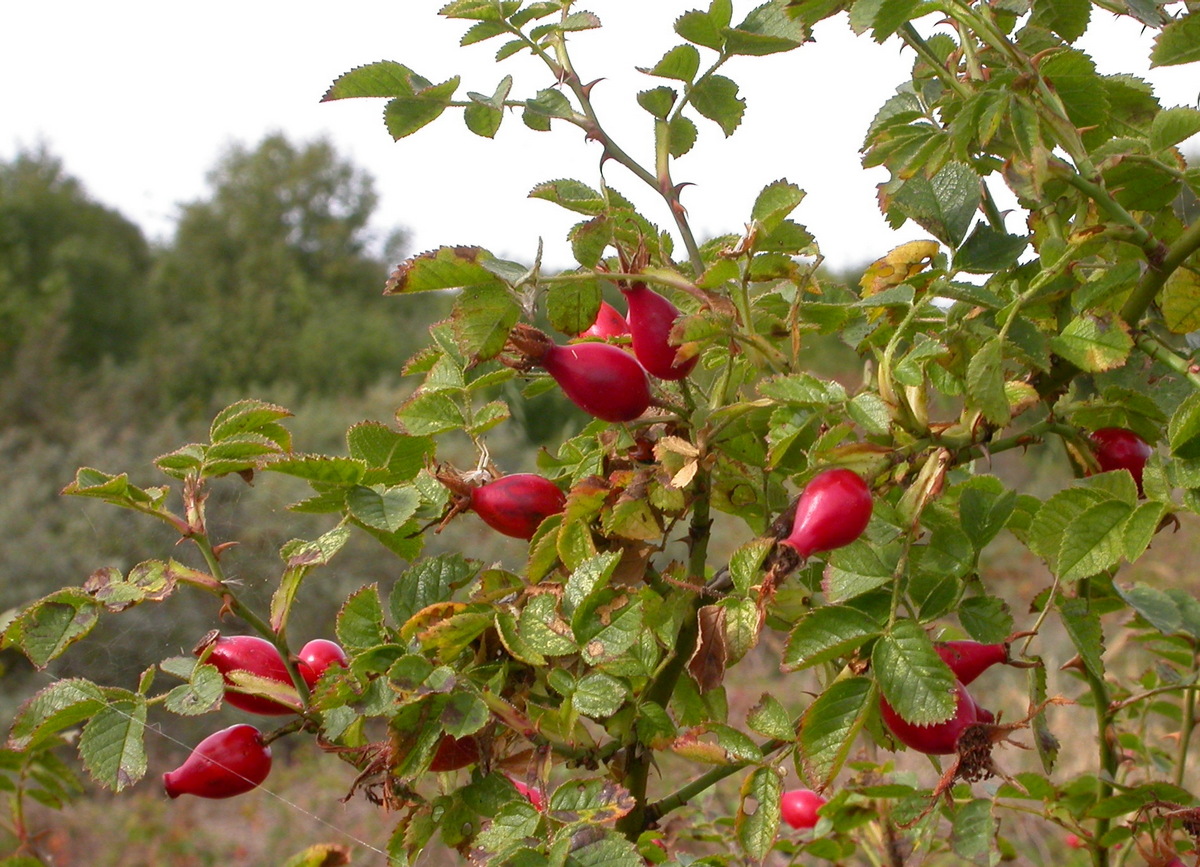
707	665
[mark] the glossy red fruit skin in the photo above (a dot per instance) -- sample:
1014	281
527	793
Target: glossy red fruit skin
600	379
226	763
833	510
255	655
969	659
609	323
454	753
532	794
651	317
316	656
939	739
799	808
1119	449
516	505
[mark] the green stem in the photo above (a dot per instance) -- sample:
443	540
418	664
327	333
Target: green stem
1186	727
685	793
917	43
1152	247
1156	276
1105	752
662	687
1162	353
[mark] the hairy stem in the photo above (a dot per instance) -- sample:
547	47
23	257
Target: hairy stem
1156	276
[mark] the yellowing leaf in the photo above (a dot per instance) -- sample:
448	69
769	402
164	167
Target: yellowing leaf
900	264
1181	301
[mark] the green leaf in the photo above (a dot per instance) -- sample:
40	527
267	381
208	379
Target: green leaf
830	724
1094	541
716	97
45	629
380	447
857	569
360	620
825	634
757	820
1073	76
987	251
944	204
984	505
427	413
320	468
589	577
1183	430
1093	344
681	135
484	115
599	695
404	115
245	416
973	836
383	79
912	676
572	307
572	195
111	744
986	618
482	318
200	695
1156	607
702	29
547	105
1067	18
443	268
427	582
58	706
382	507
745	564
1172	126
1178	43
590	800
615	638
774	202
543	628
891	16
1051	520
1083	626
771	719
1181	300
768	29
658	100
680	63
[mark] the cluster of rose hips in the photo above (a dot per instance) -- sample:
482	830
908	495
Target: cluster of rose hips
237	759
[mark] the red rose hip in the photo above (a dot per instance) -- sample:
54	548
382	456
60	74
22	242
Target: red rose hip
1120	449
651	318
832	512
938	739
254	655
609	323
799	807
969	659
516	505
226	763
316	656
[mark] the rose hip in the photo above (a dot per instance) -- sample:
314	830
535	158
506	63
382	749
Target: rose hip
651	318
832	512
254	655
226	763
516	505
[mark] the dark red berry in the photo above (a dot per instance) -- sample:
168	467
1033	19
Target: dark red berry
651	318
969	659
833	511
1119	449
318	655
600	379
254	655
454	753
227	763
516	505
609	323
938	739
799	807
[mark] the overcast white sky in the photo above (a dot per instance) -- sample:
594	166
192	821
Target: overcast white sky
138	97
